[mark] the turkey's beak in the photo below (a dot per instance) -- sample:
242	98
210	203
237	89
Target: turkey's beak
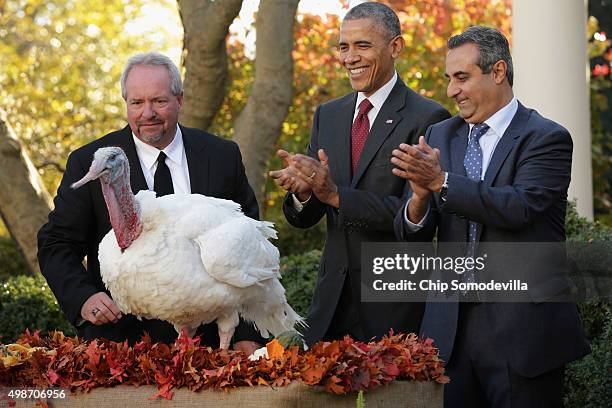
96	170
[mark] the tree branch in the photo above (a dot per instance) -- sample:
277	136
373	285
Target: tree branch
206	25
26	204
259	125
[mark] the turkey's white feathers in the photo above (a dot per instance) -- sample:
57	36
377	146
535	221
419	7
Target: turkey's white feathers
231	262
198	259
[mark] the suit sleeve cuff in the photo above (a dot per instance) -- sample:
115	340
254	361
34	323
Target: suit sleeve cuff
297	204
409	224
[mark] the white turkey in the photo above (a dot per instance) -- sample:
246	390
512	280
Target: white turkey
187	258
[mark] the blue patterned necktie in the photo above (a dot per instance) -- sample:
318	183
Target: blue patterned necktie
473	168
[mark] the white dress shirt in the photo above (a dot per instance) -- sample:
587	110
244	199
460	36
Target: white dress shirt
498	123
377	99
176	161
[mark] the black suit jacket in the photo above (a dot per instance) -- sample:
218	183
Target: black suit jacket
369	201
522	198
80	220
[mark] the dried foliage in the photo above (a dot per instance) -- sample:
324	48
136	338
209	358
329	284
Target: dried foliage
340	366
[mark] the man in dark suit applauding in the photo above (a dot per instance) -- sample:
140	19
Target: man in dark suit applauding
347	177
497	172
164	156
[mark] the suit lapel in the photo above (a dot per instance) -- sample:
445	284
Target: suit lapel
137	178
340	151
458	146
503	148
386	120
197	161
506	143
457	149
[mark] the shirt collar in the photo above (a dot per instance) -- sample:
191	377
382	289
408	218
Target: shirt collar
148	154
501	119
379	97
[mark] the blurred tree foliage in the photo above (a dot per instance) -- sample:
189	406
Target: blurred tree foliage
61	62
600	54
318	77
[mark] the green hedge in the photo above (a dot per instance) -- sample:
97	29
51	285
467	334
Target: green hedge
11	259
26	302
299	278
579	229
588	382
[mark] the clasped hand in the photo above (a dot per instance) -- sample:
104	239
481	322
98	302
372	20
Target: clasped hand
420	165
304	176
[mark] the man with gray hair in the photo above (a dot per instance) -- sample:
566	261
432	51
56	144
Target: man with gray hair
496	173
164	156
346	175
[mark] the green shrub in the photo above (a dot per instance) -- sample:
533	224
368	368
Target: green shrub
588	382
299	278
595	315
26	302
293	241
11	259
579	229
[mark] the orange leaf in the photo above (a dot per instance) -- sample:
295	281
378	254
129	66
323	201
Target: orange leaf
313	375
275	349
332	385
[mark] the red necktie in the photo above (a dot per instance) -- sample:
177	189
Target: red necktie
359	132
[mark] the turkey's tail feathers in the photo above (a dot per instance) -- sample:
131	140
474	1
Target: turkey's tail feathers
267	229
274	315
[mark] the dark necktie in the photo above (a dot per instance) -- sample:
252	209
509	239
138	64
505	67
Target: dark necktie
162	183
359	132
473	168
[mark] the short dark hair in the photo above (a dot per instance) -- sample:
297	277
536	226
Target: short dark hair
492	46
384	17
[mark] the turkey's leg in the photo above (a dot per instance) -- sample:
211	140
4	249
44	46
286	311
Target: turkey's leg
225	338
191	331
227	325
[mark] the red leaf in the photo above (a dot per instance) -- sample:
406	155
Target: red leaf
53	377
391	369
163	392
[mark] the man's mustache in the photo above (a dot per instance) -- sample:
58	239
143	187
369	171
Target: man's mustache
145	123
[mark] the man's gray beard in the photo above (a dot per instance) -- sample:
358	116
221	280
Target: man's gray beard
153	139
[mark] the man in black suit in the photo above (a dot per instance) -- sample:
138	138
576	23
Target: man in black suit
155	144
497	172
346	175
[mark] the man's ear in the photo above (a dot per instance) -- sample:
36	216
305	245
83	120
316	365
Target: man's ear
397	46
179	98
500	68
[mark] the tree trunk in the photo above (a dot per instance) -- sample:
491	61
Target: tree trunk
24	200
206	24
259	125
